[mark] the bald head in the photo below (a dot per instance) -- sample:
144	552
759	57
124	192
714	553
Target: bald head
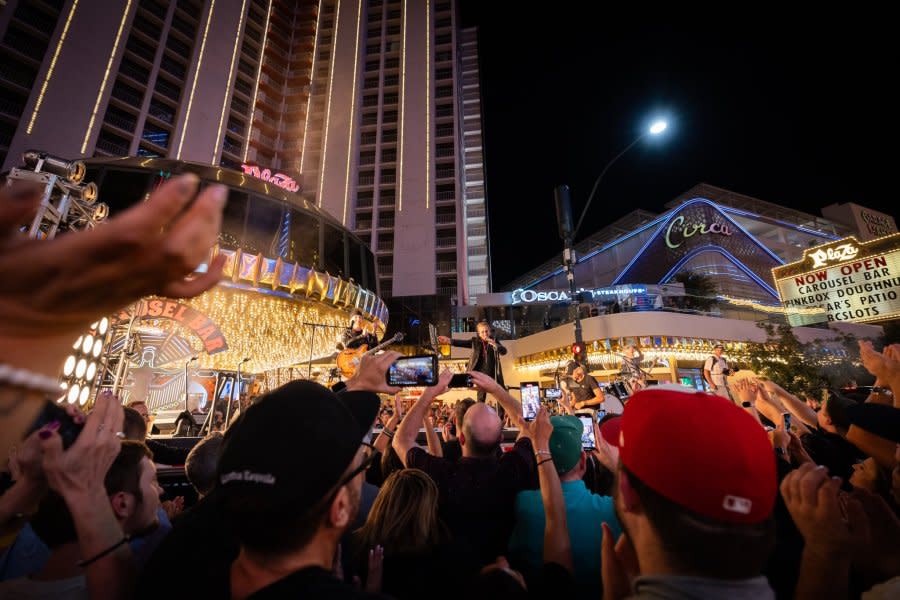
481	431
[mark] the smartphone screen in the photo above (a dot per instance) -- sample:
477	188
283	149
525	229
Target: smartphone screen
461	380
410	371
587	435
787	421
531	399
552	393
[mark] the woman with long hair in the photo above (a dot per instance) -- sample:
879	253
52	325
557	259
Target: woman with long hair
417	548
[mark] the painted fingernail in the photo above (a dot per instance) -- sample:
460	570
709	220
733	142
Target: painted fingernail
52	426
44	434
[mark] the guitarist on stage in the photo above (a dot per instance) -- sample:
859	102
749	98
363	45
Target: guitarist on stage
486	353
354	336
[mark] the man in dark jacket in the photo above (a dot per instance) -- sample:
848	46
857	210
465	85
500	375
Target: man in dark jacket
486	353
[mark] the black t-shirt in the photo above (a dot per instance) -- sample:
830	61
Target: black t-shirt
476	495
832	451
486	362
583	391
311	582
194	560
452	450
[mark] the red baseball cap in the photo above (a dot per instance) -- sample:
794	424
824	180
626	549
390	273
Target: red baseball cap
700	451
610	429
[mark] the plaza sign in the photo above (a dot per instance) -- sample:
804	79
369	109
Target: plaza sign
281	180
845	280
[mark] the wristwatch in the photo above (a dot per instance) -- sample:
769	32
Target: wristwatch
883	391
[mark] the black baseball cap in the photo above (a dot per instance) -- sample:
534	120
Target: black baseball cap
292	447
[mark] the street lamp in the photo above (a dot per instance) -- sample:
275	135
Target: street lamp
568	233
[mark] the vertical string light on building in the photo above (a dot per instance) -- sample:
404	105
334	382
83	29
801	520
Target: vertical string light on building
350	136
334	37
187	114
79	373
237	42
427	104
402	110
312	76
262	54
51	68
109	63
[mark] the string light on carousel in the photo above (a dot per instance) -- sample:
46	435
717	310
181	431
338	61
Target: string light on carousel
68	203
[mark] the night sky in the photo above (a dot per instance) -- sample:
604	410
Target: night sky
795	110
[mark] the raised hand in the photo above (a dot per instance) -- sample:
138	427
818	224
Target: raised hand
54	289
371	376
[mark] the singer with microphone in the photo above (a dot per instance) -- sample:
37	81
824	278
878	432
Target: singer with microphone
486	353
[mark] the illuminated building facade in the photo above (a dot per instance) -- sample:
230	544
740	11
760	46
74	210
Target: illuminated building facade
371	107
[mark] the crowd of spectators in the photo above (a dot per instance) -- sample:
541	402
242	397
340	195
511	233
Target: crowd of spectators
686	494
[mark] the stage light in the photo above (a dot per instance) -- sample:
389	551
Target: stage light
82	398
69	366
73	393
658	127
80	368
77	344
91	372
87	344
63	386
103	327
98	348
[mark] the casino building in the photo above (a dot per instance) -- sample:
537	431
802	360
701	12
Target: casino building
635	288
292	277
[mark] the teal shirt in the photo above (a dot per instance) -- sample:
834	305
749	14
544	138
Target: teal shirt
585	512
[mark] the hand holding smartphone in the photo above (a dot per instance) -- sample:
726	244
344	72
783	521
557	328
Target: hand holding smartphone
413	371
531	399
461	380
588	442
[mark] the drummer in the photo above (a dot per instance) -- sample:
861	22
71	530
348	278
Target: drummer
581	389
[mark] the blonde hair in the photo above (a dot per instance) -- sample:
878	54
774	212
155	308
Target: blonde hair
404	516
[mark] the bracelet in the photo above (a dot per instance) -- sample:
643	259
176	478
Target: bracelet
539	453
387	432
546	460
23	378
95	558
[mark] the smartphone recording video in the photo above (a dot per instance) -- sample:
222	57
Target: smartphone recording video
587	434
461	380
531	399
413	371
551	393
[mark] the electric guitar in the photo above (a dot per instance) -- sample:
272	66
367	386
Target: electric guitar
348	360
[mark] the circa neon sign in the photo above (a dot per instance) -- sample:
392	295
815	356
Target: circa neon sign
692	230
283	181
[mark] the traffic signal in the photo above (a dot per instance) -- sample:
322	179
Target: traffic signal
578	351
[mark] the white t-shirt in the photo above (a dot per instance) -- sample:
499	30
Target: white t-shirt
716	366
25	588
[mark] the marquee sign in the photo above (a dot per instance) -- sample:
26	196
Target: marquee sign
281	180
845	280
185	315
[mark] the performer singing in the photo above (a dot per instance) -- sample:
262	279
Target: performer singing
355	336
582	390
486	353
631	367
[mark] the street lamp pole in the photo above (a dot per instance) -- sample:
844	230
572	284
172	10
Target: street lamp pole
567	232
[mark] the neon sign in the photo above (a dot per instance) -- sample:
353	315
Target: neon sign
692	230
523	296
283	181
843	252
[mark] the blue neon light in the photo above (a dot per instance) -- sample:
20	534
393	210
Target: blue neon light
726	254
673	214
